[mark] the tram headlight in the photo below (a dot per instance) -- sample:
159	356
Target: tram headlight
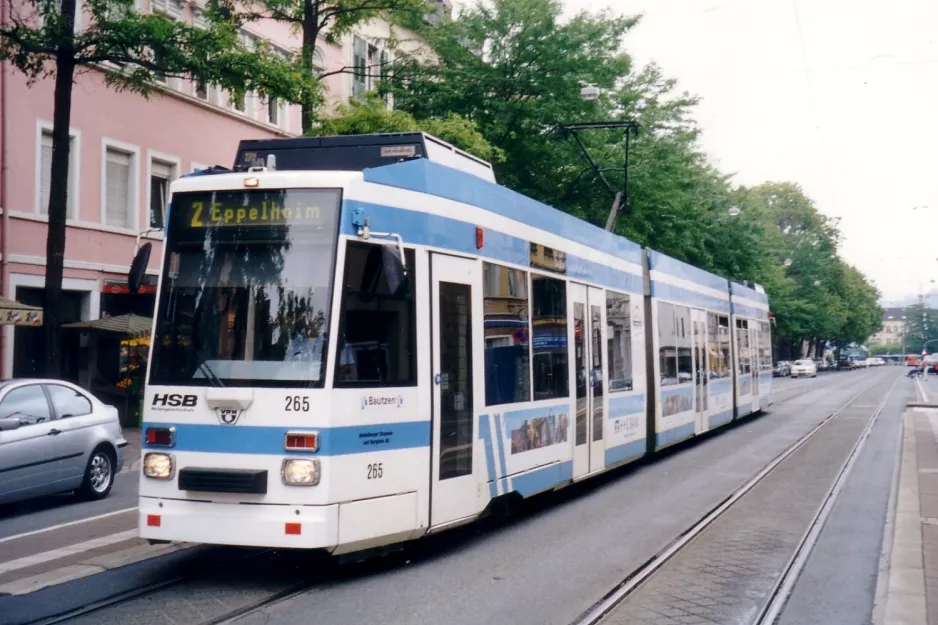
158	466
300	472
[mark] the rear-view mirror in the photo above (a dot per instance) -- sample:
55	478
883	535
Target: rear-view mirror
10	423
138	267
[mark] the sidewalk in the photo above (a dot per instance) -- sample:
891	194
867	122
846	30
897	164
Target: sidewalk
909	585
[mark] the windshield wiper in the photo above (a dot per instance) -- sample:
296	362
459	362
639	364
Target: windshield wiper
202	365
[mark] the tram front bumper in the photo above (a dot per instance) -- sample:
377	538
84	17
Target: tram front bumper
302	527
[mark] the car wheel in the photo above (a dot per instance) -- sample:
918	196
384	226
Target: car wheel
99	475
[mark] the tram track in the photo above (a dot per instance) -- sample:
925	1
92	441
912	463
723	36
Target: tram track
771	608
177	583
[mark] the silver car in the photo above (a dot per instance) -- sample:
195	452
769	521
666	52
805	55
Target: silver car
56	437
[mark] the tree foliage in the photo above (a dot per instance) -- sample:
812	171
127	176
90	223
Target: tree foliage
921	329
372	116
515	69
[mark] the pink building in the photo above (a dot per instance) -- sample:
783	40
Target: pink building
124	151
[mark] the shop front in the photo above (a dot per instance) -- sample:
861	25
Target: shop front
117	348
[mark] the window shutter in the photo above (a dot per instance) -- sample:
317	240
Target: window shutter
159	169
45	172
117	206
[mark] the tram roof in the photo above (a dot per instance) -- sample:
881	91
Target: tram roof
425	176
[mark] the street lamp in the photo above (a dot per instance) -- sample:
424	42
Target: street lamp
787	262
734	210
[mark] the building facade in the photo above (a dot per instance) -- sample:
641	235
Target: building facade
125	150
893	330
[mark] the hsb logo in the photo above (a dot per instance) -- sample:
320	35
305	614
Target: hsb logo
175	400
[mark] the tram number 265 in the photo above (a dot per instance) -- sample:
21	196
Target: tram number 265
296	403
375	471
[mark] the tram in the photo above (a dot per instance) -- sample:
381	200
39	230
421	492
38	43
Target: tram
362	340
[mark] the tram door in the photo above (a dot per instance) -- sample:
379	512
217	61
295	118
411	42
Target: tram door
701	377
456	313
588	307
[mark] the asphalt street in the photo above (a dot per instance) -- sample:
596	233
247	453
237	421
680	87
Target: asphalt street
548	563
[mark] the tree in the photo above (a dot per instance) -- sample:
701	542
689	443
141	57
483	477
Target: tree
332	19
921	326
40	39
371	116
515	69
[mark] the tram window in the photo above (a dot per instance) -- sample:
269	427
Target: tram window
619	341
682	329
742	345
549	322
377	344
765	347
718	346
507	328
723	336
667	344
579	345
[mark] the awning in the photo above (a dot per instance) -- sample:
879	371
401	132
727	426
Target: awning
15	314
130	325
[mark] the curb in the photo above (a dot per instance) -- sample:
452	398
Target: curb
905	591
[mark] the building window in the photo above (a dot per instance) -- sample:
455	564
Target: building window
201	91
161	174
549	337
619	341
384	73
45	173
118	207
359	71
377	328
199	20
238	102
319	62
506	330
273	111
172	8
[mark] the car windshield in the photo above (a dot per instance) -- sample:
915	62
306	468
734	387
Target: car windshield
804	363
246	288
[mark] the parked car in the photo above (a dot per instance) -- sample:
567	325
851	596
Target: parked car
782	369
846	363
56	437
804	369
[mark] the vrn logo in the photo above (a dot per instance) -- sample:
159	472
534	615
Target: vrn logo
175	400
388	400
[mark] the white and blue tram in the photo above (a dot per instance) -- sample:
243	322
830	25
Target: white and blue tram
361	340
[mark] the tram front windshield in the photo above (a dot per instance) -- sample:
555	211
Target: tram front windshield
246	288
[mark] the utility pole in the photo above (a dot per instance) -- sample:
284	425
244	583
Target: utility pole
620	198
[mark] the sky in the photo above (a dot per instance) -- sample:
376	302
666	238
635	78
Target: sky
839	96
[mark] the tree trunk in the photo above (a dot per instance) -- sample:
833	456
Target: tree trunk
58	194
310	36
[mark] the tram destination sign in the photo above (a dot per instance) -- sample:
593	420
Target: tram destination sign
245	209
